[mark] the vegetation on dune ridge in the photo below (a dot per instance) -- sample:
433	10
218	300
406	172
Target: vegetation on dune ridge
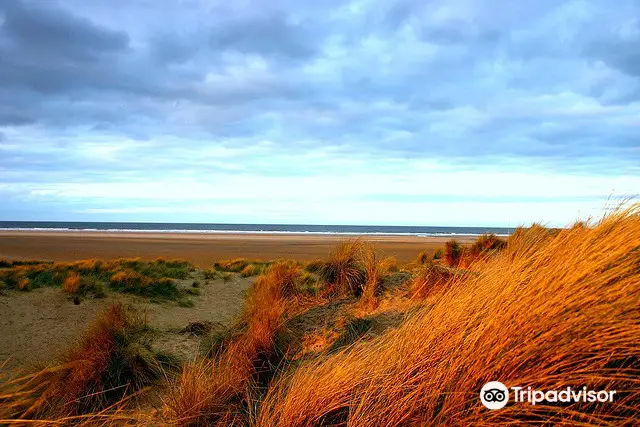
356	340
114	359
548	312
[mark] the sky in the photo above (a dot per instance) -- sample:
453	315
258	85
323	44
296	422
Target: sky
409	112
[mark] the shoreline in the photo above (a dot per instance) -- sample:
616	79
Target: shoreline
194	232
201	249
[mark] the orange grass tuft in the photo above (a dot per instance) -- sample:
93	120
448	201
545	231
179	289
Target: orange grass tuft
129	279
374	272
548	312
71	284
484	247
109	363
343	271
214	392
452	253
208	392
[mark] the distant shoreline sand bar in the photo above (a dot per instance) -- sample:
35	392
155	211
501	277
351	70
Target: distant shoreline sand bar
201	248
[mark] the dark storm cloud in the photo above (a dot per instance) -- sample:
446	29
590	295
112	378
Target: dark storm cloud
56	33
47	49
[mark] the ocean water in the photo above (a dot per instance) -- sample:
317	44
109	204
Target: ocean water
160	227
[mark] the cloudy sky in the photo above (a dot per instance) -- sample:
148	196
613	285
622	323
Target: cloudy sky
415	112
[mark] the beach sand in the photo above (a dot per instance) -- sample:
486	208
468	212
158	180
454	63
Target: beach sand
200	249
37	325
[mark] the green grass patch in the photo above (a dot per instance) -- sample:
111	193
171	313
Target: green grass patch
130	281
153	279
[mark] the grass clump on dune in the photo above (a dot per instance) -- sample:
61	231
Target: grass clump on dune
343	271
546	313
315	266
232	266
222	389
452	253
252	270
485	246
114	359
354	269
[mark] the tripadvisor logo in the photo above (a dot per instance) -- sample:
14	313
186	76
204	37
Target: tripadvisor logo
495	395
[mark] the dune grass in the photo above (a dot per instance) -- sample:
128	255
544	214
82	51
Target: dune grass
345	271
547	313
430	279
114	359
154	279
452	252
221	388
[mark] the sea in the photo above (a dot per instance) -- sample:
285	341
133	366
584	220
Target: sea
164	227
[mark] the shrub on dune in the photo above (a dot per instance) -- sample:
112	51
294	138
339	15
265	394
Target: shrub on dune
548	312
487	242
250	270
129	279
87	266
278	282
233	266
485	245
15	279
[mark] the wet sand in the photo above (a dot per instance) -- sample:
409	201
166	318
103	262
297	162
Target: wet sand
200	249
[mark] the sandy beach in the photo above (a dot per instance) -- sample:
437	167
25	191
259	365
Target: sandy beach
200	249
26	344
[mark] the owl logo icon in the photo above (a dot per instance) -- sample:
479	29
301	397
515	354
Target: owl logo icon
494	395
